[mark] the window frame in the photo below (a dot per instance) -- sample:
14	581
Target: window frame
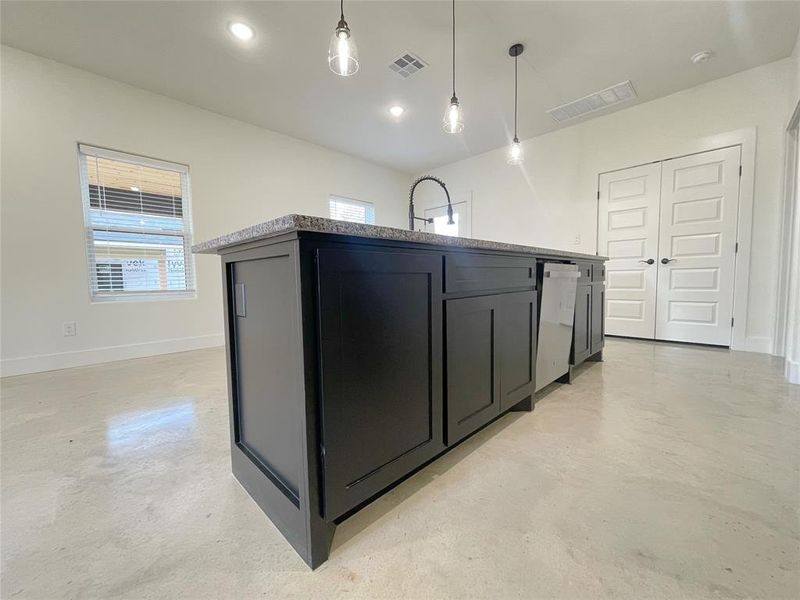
97	296
344	199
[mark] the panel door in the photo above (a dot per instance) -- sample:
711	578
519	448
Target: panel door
473	385
581	330
598	304
697	249
628	235
381	355
516	342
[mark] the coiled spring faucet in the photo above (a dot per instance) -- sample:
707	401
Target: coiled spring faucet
412	217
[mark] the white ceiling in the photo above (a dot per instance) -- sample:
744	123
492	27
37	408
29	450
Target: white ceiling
281	80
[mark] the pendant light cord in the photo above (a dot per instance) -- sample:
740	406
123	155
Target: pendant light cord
454	48
341	8
516	58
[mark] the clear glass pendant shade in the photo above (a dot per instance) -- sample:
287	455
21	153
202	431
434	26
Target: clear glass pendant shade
453	117
342	53
515	153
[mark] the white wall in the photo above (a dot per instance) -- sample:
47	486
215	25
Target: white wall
551	199
240	175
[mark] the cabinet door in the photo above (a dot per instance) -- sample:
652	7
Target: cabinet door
581	331
381	355
472	381
516	342
598	317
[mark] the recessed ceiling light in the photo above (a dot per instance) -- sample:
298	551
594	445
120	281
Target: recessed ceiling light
396	111
241	30
702	57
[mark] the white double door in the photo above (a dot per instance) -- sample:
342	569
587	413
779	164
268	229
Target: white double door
669	230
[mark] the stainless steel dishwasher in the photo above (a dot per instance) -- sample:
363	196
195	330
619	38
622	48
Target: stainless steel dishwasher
557	314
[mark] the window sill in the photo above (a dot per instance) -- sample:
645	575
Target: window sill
143	297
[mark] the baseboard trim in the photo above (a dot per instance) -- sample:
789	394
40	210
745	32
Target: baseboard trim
793	371
751	343
95	356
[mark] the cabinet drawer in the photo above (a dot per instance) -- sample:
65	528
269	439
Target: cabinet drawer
599	272
585	269
474	272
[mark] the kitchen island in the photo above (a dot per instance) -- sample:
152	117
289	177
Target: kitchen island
357	354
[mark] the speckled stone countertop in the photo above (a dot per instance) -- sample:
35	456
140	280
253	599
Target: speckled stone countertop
290	223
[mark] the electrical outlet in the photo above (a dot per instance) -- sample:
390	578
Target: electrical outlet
577	239
70	328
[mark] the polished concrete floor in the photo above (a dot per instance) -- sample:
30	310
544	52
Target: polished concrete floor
665	472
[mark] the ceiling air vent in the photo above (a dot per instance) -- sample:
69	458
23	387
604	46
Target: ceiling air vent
622	92
407	64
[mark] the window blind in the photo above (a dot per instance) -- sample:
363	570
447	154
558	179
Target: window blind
138	226
355	211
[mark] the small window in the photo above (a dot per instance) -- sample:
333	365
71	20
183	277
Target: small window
138	227
355	211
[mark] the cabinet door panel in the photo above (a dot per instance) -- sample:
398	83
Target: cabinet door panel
598	317
472	382
381	355
265	369
516	341
581	332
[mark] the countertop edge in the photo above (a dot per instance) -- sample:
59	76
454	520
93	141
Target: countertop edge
300	223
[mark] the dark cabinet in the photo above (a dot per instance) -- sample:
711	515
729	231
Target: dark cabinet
589	327
266	374
598	317
475	272
380	329
585	271
516	343
473	385
582	327
352	363
491	358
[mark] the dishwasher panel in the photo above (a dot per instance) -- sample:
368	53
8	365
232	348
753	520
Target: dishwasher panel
555	322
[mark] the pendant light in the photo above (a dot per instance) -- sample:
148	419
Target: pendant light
342	53
454	116
515	152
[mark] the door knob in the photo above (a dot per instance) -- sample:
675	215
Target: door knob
649	261
666	260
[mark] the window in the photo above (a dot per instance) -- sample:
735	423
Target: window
138	226
355	211
461	226
442	227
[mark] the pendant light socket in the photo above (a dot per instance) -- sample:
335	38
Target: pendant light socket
516	50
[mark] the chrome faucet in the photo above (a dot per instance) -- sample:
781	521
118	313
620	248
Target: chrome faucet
412	217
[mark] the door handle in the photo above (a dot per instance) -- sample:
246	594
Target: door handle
649	261
664	261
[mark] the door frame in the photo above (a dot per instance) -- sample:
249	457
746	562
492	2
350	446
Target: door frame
791	189
746	138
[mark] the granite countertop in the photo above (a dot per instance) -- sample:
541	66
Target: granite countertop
290	223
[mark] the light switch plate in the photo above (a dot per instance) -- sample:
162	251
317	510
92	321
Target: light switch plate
70	328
